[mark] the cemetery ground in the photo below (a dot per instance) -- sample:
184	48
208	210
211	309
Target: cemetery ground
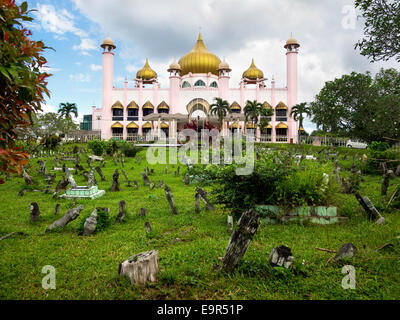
189	244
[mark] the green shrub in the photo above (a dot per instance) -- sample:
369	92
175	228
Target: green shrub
305	187
50	142
97	146
378	153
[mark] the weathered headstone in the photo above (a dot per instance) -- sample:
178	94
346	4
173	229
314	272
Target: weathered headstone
115	184
203	196
230	224
90	224
145	179
34	211
187	179
135	184
100	172
27	177
121	213
142	212
160	184
281	256
370	209
71	215
126	177
348	250
170	198
57	209
147	227
241	239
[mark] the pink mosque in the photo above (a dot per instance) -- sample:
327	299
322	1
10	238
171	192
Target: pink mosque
133	113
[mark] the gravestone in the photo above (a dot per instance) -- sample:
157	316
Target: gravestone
140	268
34	212
115	184
281	256
90	224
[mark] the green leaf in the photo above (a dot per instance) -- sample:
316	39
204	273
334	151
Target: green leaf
24	6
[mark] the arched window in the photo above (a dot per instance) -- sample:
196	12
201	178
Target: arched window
185	84
214	85
199	83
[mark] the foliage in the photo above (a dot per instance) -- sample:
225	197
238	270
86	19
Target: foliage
381	29
379	152
65	110
46	124
97	146
359	106
22	82
297	112
239	193
50	142
252	111
220	108
128	149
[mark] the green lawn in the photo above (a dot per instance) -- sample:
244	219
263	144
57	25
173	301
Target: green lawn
87	267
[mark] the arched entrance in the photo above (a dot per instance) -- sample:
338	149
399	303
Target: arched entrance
198	110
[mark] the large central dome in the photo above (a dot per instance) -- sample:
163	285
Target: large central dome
199	60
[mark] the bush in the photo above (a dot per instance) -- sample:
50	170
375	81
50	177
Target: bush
97	146
239	193
50	142
378	153
305	187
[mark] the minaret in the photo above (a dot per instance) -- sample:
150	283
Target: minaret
174	80
292	50
108	76
223	80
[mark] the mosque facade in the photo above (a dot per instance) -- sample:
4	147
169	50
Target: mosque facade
131	113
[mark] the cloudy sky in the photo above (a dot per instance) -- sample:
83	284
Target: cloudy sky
161	30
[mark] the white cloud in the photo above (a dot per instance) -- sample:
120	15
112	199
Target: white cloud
79	77
58	22
95	67
85	46
47	108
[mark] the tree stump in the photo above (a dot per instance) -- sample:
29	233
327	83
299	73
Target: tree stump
71	215
281	256
170	199
90	224
145	179
140	268
115	184
142	212
121	213
34	211
241	239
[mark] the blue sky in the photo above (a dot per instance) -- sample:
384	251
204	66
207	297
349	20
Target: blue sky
163	30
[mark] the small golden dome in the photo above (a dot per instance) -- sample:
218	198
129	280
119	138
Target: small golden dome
253	73
174	66
224	66
291	41
146	73
199	60
108	42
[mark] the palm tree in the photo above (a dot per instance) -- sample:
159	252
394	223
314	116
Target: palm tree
65	110
220	108
252	111
297	113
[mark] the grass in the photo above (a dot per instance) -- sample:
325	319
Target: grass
189	245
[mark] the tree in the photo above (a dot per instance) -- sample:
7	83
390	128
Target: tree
297	113
220	108
360	106
65	110
253	110
381	30
333	106
22	82
47	124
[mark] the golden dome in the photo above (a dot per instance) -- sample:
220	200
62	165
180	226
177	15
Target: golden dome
108	42
199	60
146	73
291	41
224	66
253	73
174	66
